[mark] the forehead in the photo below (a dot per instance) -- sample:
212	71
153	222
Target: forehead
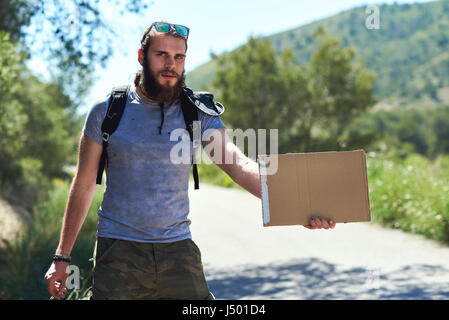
163	42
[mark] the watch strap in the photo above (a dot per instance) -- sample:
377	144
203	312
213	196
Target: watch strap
62	257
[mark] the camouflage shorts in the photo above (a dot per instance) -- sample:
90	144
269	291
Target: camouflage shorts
134	270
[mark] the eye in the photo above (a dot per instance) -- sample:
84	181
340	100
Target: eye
160	54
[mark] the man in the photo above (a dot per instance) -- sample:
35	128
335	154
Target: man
144	248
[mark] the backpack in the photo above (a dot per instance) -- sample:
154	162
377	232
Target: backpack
190	103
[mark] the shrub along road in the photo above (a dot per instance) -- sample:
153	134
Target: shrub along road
244	260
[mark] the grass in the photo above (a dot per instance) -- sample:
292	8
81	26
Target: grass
212	174
411	194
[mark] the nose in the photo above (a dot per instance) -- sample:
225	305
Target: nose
169	62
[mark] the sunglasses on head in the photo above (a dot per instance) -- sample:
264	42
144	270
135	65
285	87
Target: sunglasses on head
165	27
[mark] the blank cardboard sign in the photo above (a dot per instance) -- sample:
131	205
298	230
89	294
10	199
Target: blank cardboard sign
332	185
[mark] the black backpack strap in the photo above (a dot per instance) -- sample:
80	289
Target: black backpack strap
204	101
190	114
117	103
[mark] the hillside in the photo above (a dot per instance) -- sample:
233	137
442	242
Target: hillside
410	51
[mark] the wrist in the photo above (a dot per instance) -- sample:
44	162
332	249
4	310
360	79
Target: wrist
62	250
62	257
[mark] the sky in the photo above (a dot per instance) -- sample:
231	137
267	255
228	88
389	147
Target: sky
215	26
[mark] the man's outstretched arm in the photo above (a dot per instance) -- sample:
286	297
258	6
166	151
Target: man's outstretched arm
245	171
241	169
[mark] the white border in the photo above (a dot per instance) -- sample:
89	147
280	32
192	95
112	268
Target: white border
263	182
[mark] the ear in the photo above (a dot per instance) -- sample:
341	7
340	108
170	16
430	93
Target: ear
140	56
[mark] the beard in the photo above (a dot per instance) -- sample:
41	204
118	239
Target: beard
159	92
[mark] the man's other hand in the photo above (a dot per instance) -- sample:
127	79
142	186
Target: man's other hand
320	223
56	277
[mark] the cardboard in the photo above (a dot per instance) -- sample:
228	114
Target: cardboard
332	185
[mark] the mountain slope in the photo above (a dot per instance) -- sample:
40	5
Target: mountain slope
409	52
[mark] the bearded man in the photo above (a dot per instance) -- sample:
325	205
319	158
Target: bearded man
144	248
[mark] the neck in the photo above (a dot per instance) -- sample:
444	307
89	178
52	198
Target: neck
145	96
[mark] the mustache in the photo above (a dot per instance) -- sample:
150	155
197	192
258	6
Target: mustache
173	73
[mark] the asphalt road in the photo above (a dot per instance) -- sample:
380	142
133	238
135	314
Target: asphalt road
244	260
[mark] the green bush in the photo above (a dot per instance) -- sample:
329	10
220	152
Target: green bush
411	194
214	175
402	131
24	262
211	173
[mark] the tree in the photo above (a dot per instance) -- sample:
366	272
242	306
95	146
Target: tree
11	120
71	34
256	86
310	105
338	90
37	136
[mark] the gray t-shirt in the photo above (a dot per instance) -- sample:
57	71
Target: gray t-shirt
146	196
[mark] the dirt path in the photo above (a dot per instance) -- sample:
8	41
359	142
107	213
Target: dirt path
244	260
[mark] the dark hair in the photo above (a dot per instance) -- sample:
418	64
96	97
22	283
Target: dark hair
145	43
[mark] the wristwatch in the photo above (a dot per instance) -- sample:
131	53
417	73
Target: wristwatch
62	257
